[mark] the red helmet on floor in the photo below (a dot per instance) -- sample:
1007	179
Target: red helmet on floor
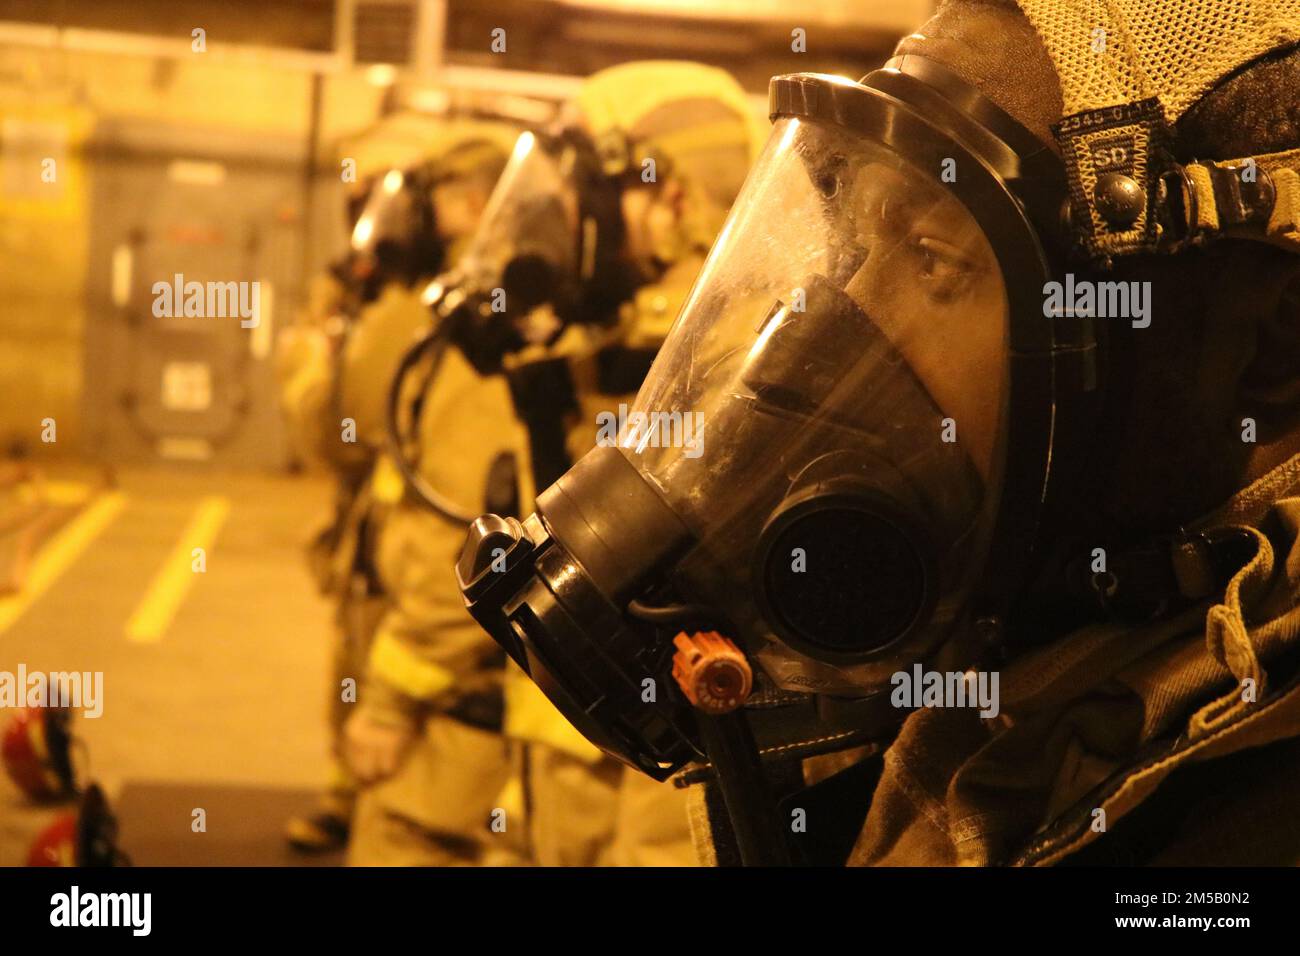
87	837
56	845
37	753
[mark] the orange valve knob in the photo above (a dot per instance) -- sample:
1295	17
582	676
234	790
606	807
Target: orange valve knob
711	671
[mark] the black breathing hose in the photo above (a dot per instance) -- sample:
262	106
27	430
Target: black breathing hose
436	340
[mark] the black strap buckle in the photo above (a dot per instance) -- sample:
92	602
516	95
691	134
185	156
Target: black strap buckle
1145	580
1205	561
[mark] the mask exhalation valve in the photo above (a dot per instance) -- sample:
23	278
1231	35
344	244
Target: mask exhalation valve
711	671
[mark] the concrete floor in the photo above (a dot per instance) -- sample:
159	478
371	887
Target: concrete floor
230	697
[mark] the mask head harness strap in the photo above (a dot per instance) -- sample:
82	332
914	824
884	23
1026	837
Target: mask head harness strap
1128	70
1129	195
622	157
1126	194
602	279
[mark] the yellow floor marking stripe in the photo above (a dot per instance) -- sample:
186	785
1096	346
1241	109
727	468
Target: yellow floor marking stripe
174	579
64	492
59	553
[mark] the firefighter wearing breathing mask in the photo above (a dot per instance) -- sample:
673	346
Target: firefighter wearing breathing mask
590	242
989	554
426	182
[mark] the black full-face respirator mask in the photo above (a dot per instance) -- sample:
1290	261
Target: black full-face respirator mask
551	237
822	481
395	233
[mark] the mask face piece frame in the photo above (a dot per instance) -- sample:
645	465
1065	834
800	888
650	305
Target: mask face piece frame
555	590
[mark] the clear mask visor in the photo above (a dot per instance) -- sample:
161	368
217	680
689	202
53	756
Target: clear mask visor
828	412
530	225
